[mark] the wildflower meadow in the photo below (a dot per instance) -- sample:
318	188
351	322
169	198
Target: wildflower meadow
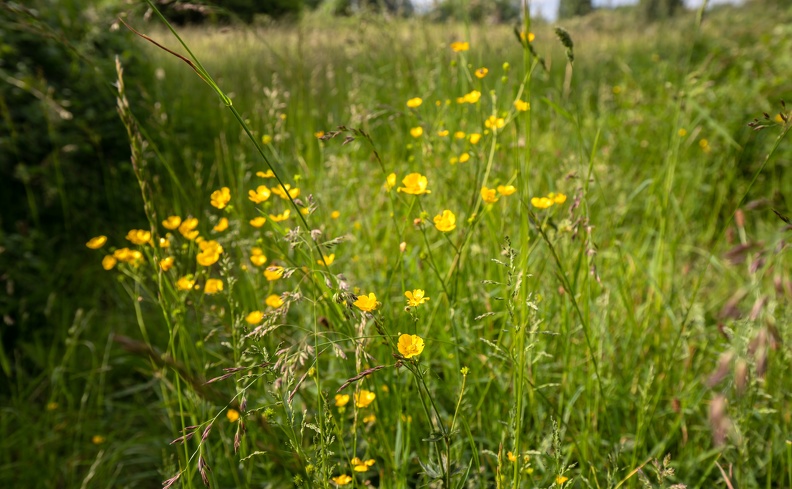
388	252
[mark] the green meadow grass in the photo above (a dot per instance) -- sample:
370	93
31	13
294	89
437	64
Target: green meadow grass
634	335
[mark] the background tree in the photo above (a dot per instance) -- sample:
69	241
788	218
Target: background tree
477	10
575	8
660	9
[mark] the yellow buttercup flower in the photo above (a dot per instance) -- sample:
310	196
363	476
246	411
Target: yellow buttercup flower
481	73
96	242
329	259
220	198
257	222
364	398
172	222
488	195
494	123
274	301
414	102
531	36
561	479
442	133
108	262
257	257
361	465
259	195
97	439
265	174
342	479
474	138
370	418
512	457
416	297
213	286
210	253
522	106
506	190
445	222
273	273
187	228
232	415
414	184
266	139
341	400
336	214
472	97
319	134
165	242
541	202
139	236
390	182
557	198
281	191
280	217
464	157
185	283
133	257
410	345
416	132
166	263
366	303
254	317
221	225
460	46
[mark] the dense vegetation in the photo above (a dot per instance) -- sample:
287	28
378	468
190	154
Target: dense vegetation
608	307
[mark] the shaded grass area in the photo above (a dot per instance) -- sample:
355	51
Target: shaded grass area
647	321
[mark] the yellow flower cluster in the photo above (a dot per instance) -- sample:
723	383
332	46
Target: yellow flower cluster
221	225
210	253
366	303
138	236
445	222
220	198
281	191
257	222
359	465
257	257
414	184
97	242
213	286
522	106
489	195
342	479
187	228
364	398
545	202
273	273
460	46
469	98
494	123
410	345
261	194
280	217
125	255
274	301
416	297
